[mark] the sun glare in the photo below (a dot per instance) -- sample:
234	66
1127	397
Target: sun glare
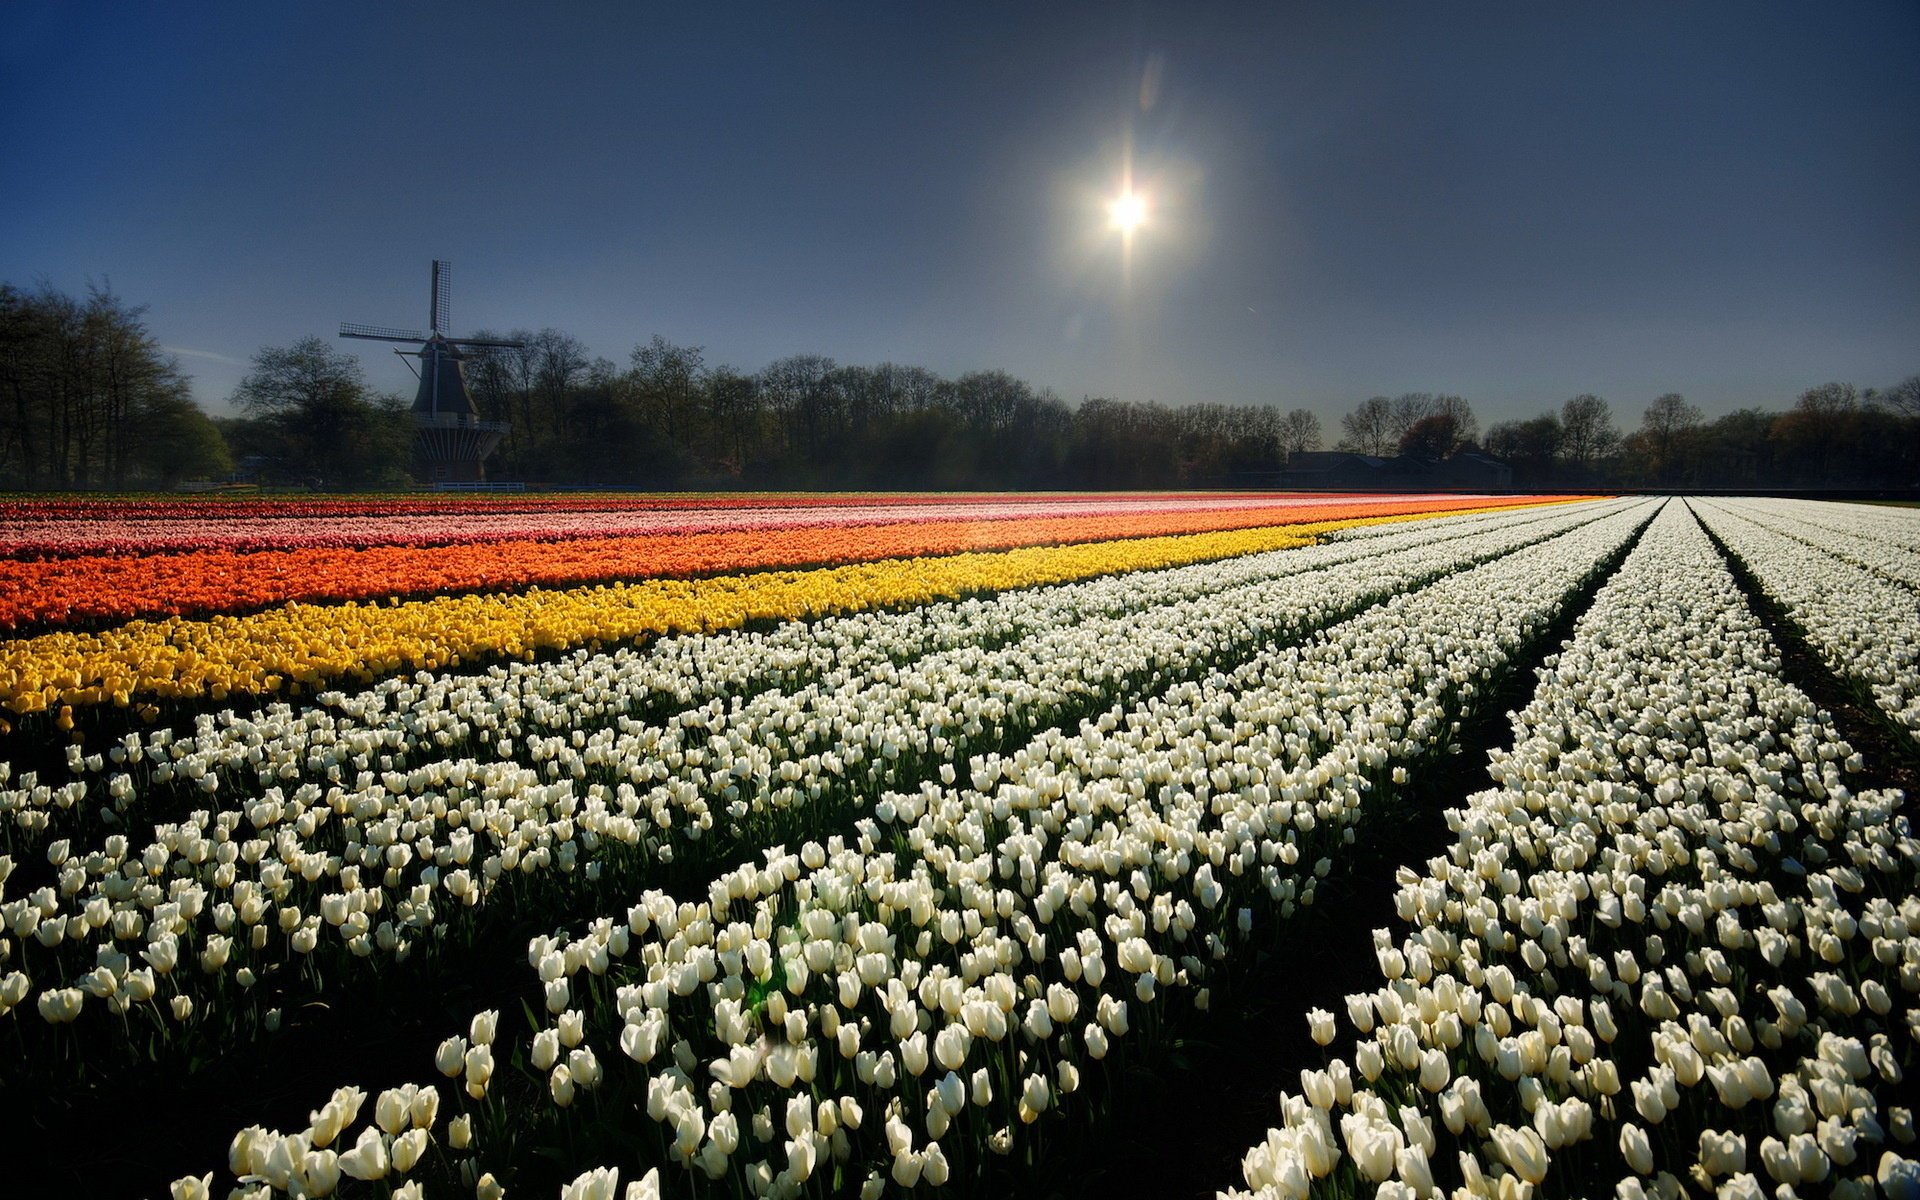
1127	211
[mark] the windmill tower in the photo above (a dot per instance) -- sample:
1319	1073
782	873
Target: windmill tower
450	441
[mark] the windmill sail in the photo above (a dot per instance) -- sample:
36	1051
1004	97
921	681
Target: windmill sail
451	442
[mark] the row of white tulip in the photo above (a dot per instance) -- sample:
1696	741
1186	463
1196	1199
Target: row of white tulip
1864	626
888	1011
1864	535
374	867
1673	953
510	709
516	711
1892	526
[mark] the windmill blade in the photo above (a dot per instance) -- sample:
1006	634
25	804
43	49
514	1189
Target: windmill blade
497	343
380	333
442	295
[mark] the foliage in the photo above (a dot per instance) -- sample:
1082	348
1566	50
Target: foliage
89	399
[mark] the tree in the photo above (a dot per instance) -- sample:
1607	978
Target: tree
172	440
1432	438
737	413
1300	431
1904	397
75	377
303	379
1368	429
796	390
1664	429
1738	450
1530	447
1828	399
1587	434
314	399
1407	410
668	379
1818	432
560	363
1465	426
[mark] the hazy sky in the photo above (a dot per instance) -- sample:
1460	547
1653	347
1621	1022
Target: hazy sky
1515	202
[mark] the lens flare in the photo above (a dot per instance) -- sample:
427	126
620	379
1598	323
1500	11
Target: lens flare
1127	211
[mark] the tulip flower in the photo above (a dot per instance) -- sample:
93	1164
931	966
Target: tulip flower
368	1158
1320	1024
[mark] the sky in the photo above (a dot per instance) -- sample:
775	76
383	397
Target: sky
1511	202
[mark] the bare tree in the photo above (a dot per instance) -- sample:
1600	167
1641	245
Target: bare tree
559	363
1466	427
1299	432
1819	429
1408	410
1368	429
796	388
668	378
1587	434
1904	397
1828	399
1664	428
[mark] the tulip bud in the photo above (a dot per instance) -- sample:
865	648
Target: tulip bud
450	1058
1320	1026
1636	1149
191	1188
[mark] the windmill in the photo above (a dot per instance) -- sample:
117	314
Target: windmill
450	441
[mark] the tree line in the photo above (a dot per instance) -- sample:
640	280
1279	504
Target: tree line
807	421
91	401
1835	435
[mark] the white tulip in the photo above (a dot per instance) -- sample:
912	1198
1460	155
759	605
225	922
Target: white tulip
368	1158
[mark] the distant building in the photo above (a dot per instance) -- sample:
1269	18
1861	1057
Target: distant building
1335	470
1473	470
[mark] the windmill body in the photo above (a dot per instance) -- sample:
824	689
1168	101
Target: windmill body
450	441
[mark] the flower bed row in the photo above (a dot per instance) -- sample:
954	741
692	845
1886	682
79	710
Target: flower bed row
1874	542
299	647
893	1009
1895	526
1673	953
1864	626
422	717
116	534
369	826
35	508
94	588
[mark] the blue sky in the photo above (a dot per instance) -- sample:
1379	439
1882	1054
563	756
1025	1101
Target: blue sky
1515	202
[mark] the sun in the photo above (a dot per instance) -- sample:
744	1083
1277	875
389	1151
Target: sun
1127	211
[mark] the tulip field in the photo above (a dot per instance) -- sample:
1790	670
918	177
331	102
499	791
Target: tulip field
617	847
